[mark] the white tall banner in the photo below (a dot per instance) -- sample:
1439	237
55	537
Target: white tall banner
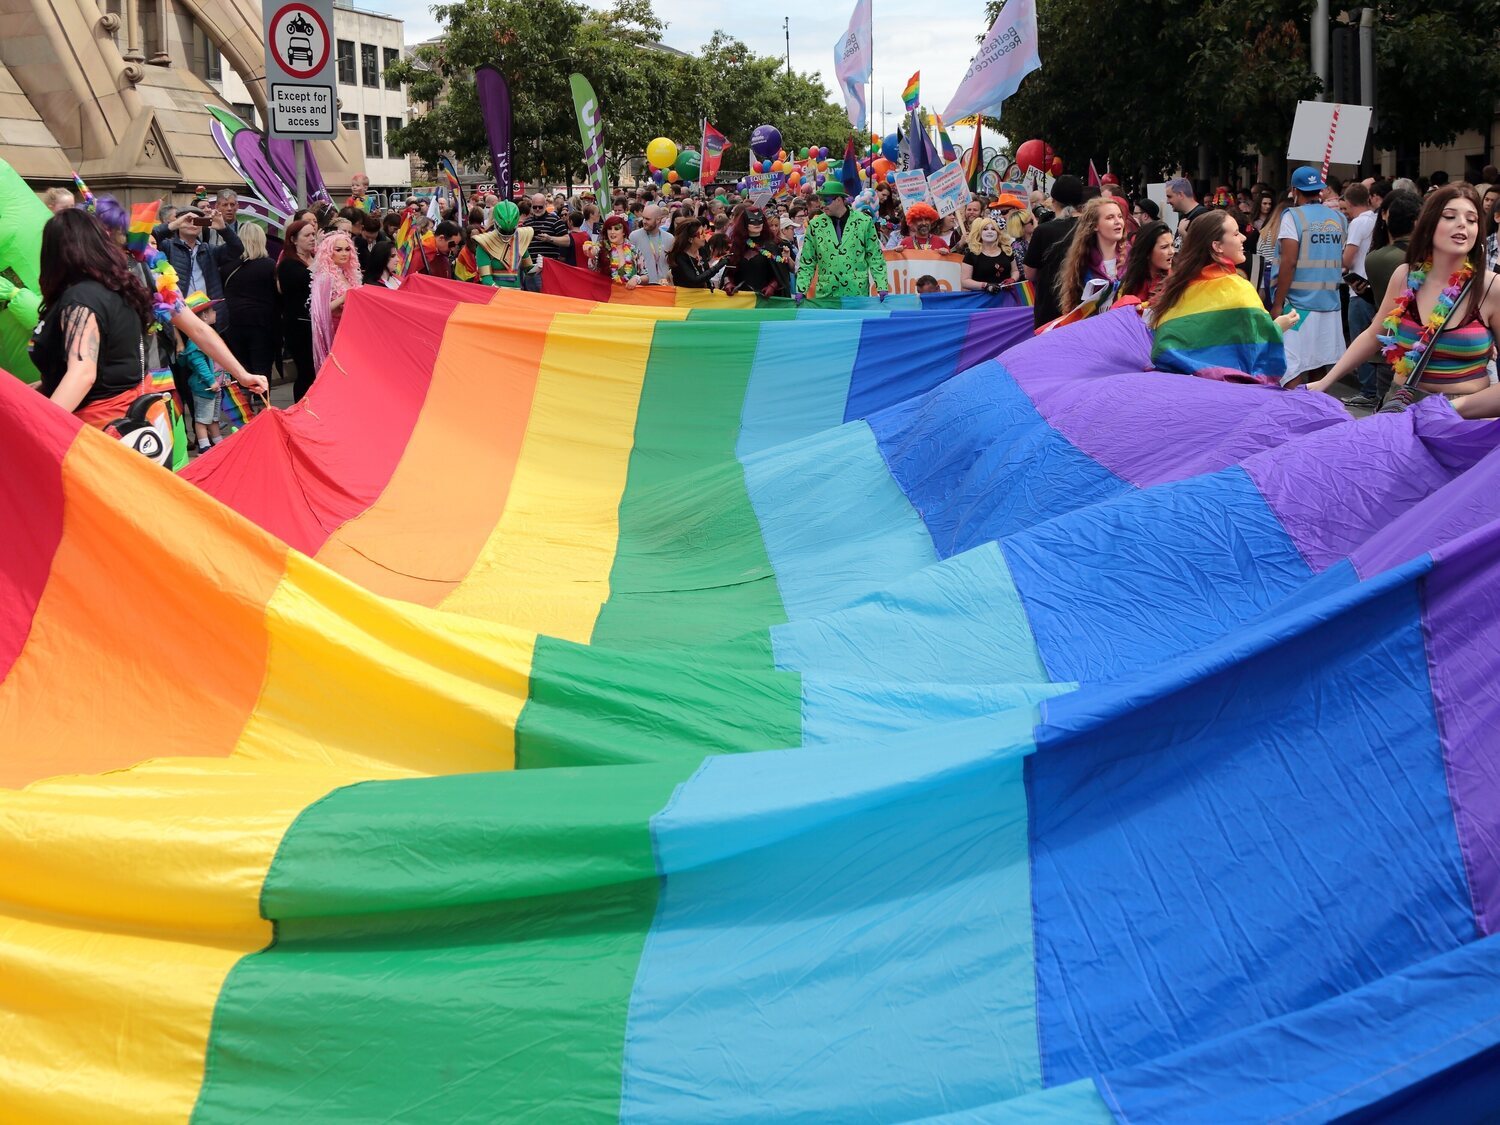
1008	54
853	59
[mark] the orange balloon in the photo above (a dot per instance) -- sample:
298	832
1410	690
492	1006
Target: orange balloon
881	166
672	176
778	166
794	179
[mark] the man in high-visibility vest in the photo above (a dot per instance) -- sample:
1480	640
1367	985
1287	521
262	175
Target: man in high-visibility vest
1312	239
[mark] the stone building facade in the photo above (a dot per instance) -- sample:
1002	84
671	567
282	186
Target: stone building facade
109	87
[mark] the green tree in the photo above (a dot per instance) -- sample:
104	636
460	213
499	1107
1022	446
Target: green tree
1417	47
1148	83
536	44
645	91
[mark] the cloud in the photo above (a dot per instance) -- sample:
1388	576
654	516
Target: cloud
908	37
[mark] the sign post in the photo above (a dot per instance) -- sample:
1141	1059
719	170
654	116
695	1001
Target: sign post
300	93
1329	132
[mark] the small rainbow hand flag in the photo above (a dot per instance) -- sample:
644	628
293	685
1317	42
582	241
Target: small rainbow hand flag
945	142
913	92
142	222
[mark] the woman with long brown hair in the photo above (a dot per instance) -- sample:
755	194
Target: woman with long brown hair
1441	311
1096	251
1268	248
690	268
1207	318
1147	263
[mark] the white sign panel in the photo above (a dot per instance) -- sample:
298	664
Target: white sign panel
948	188
302	111
1329	132
300	68
911	187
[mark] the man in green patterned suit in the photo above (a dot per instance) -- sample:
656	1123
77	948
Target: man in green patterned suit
842	249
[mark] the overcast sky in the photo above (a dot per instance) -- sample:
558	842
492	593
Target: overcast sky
937	38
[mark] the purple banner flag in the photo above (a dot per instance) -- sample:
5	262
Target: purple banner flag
494	107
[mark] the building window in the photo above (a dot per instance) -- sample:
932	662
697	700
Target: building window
245	111
392	57
346	62
349	121
369	65
208	64
150	15
373	150
391	125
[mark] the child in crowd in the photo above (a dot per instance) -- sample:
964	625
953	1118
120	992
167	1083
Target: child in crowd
927	284
204	379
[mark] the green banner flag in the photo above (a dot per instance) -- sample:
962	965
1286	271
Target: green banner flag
590	128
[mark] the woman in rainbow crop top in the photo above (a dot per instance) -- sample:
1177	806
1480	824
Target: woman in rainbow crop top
1442	300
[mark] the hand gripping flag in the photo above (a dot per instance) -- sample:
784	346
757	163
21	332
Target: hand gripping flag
1007	55
853	57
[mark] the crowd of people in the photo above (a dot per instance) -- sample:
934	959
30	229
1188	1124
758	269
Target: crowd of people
1388	282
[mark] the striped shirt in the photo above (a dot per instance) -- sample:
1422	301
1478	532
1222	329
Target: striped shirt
544	227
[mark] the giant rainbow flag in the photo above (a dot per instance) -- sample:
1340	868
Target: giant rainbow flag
580	712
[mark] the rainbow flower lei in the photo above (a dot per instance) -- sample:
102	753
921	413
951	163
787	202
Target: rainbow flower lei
756	248
167	300
1404	362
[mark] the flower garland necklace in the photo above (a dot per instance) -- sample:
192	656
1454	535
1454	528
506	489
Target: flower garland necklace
754	248
1403	363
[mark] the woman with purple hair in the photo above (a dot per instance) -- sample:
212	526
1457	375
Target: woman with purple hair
159	345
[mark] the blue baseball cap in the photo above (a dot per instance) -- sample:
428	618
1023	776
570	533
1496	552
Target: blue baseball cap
1307	179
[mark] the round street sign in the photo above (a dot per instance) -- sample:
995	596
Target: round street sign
300	42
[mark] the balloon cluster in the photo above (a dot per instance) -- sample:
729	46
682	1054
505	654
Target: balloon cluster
814	164
668	165
1038	155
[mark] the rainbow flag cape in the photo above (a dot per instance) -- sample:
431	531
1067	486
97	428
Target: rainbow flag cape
466	266
912	93
1219	325
662	714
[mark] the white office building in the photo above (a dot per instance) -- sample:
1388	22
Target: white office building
365	43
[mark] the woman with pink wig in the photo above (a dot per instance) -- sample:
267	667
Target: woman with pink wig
335	271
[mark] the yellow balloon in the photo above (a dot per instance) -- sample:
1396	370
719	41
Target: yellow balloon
662	153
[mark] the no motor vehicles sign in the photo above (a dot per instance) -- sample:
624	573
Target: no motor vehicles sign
299	70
